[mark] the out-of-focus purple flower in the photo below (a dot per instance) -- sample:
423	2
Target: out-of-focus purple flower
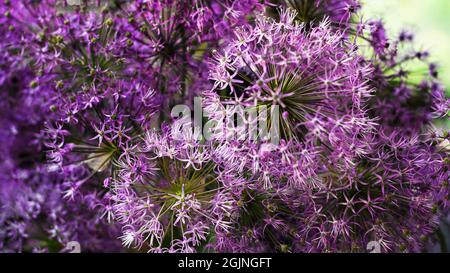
405	99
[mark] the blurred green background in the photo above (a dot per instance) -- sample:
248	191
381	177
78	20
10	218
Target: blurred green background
429	20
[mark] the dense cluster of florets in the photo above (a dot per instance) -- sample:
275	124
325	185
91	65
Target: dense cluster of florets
92	151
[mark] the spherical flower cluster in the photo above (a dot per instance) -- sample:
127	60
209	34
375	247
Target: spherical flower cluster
392	196
304	142
315	77
167	194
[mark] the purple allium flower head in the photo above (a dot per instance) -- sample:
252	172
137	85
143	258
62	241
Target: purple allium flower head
163	194
171	39
393	196
308	75
316	78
